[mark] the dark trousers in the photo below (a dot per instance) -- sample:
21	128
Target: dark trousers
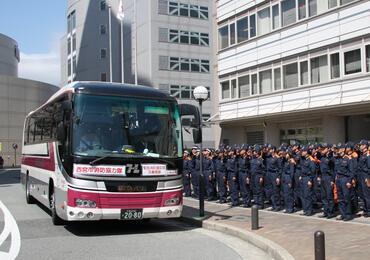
288	194
258	190
268	185
186	183
344	197
195	182
307	193
221	186
297	191
327	195
233	185
209	184
275	191
245	188
366	193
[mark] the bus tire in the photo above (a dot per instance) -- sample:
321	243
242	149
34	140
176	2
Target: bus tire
56	220
29	198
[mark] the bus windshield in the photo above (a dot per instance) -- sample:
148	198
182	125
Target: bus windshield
122	126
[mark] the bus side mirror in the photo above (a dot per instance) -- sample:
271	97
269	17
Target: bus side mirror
190	110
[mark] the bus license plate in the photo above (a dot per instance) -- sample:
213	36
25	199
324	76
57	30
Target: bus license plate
128	214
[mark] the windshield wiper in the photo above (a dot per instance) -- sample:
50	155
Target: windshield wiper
99	159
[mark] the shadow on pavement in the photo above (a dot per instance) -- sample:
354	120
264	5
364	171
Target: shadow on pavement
10	176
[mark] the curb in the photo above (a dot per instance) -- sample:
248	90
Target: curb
274	250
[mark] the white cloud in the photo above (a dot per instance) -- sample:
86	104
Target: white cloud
43	67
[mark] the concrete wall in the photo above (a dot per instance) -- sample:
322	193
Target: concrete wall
8	61
18	97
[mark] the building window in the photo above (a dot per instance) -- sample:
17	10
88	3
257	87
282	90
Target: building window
194	11
174	63
242	27
69	24
252	26
184	37
304	72
174	36
103	5
203	12
368	58
317	6
333	3
223	37
275	17
69	47
319	69
173	8
343	2
225	88
74	44
194	38
175	91
234	91
204	39
184	64
254	84
74	63
263	21
185	92
277	79
69	69
265	78
103	53
73	17
103	29
232	33
103	76
288	11
184	10
334	66
244	86
352	62
204	66
301	9
195	66
290	75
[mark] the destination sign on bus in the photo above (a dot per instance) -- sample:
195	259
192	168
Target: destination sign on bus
99	169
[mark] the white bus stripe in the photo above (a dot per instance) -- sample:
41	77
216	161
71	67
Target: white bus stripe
10	228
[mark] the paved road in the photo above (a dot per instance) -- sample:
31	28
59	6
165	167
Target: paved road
158	239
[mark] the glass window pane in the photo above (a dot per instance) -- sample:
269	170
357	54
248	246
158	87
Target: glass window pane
185	92
301	9
352	62
175	91
74	42
225	86
317	6
244	87
368	58
194	39
242	27
304	72
288	12
194	12
277	78
173	8
265	81
184	37
263	21
343	2
184	10
204	39
275	17
290	76
233	89
184	64
254	84
232	33
223	37
69	45
195	65
203	12
252	26
319	69
69	67
335	67
204	66
333	3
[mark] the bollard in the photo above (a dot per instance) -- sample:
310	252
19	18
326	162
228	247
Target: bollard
201	195
255	217
319	245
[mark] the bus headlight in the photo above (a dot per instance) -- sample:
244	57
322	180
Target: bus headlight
172	202
81	203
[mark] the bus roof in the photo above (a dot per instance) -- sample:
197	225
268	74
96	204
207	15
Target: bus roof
109	88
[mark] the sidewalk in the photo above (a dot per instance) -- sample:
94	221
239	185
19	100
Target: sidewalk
295	233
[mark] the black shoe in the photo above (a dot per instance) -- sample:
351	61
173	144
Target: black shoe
366	215
323	215
288	211
234	204
340	217
347	218
246	206
330	216
222	201
276	209
308	214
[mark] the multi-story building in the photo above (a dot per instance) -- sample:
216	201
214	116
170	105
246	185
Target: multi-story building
169	42
293	70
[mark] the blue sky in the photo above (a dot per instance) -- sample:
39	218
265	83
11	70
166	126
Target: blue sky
37	26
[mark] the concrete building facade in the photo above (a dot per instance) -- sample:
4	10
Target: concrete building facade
173	51
293	70
18	97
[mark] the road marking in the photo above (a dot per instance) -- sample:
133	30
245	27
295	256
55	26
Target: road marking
10	228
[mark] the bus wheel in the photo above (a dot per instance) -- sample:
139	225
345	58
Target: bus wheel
57	221
29	198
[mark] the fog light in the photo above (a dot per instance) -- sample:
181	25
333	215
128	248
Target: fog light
81	203
169	212
176	211
89	215
80	214
172	202
71	213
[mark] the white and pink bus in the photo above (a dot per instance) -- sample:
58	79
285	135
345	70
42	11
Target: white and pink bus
106	151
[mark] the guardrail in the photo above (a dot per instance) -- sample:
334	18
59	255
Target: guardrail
10	229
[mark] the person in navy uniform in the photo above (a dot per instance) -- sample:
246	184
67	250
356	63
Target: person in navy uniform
273	165
232	175
187	173
326	179
364	176
193	168
208	171
244	177
287	180
221	176
308	170
344	178
258	172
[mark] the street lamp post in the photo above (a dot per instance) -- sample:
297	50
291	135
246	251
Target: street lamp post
201	94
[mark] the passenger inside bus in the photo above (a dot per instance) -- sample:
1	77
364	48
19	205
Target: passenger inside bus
89	140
